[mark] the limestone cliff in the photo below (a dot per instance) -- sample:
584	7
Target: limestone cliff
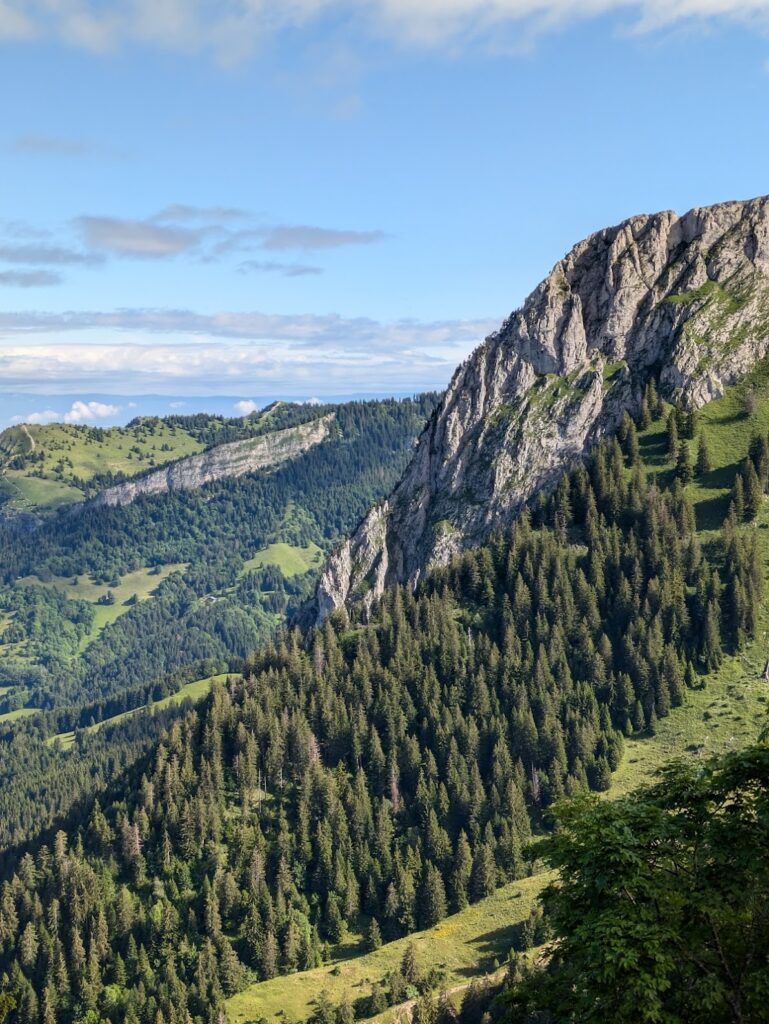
226	460
685	298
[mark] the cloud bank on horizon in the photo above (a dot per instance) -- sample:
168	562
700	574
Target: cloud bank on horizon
257	352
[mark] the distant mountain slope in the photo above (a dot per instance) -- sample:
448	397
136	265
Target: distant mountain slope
44	467
226	460
105	610
685	299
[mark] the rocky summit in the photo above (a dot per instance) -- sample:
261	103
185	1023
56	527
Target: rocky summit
682	298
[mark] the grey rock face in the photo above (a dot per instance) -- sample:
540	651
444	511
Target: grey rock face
226	460
683	297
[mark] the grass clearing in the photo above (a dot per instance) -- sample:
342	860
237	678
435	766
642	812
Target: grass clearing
465	944
291	560
26	493
727	429
194	691
12	716
63	453
141	584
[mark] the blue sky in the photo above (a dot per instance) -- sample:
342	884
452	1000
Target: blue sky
335	197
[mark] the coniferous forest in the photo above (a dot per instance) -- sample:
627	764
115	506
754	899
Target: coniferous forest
379	774
203	619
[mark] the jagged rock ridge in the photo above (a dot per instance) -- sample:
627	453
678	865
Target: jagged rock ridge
685	298
226	460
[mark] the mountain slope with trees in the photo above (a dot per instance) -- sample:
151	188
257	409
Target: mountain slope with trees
79	645
379	774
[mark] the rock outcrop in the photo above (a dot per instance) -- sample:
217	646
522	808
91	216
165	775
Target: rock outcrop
226	460
685	299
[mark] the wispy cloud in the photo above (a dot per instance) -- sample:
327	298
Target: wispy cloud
29	278
180	211
271	267
48	145
47	254
233	30
203	234
305	237
358	333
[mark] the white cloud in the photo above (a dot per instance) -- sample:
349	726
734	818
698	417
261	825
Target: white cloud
46	416
80	412
136	238
245	407
264	369
233	30
87	412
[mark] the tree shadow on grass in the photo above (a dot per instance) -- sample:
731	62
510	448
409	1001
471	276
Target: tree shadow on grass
654	449
491	946
721	478
711	512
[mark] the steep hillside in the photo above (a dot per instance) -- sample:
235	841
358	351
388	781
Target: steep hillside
683	299
378	774
59	464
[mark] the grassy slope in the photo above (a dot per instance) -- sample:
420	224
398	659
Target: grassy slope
72	451
728	712
11	716
462	944
291	560
27	493
140	584
194	691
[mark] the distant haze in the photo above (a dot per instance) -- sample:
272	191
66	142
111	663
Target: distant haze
115	410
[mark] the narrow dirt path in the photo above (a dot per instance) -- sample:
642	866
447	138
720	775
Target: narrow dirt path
29	437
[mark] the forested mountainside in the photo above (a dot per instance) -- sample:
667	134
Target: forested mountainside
380	772
684	300
108	609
